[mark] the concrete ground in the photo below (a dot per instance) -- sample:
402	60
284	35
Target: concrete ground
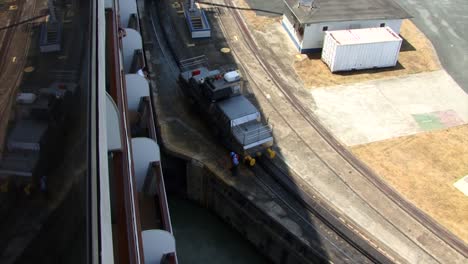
445	24
382	109
317	168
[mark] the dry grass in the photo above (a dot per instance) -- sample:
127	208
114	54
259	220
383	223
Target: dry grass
423	168
417	55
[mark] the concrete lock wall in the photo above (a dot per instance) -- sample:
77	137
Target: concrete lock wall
314	33
264	232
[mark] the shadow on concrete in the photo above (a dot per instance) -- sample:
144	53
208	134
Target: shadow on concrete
196	135
397	67
406	46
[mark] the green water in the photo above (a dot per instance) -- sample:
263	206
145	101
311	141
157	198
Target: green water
202	237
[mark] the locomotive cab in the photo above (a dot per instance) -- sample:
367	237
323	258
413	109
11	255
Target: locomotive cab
244	125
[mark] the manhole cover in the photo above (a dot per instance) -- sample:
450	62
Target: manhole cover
225	50
29	69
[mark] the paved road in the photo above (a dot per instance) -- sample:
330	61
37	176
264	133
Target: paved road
445	22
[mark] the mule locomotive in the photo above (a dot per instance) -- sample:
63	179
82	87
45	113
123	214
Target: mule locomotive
232	117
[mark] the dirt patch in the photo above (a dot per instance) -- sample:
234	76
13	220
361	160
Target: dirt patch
417	55
423	168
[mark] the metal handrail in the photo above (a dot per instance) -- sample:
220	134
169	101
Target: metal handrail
193	62
128	219
162	196
257	133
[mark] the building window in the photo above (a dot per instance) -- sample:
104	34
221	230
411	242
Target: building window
325	28
382	24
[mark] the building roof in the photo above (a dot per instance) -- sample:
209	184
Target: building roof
346	10
236	107
363	35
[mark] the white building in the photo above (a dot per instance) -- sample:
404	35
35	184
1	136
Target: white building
307	20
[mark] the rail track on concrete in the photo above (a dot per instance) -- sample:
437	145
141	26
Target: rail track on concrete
321	212
7	92
439	231
343	251
342	248
8	37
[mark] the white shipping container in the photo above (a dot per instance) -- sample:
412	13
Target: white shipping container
357	49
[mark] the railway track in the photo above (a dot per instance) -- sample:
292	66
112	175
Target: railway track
374	179
326	215
321	213
346	249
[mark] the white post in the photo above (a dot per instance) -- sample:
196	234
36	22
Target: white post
192	5
51	7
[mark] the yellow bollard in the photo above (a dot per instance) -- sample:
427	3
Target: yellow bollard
27	189
249	160
271	153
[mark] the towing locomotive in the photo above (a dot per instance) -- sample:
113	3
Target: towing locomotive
231	116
